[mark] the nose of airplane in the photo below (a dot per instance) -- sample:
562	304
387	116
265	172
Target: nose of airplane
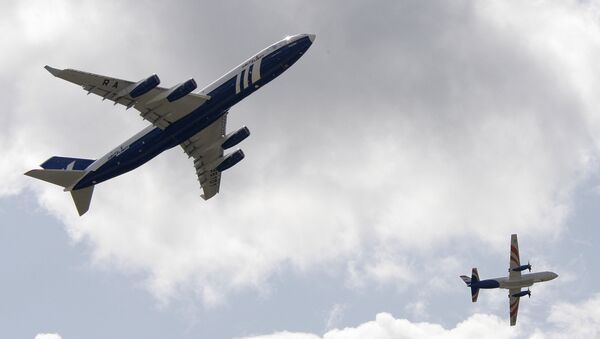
554	275
311	37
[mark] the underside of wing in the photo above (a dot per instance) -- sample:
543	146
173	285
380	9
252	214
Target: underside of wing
158	105
515	260
513	305
203	147
206	148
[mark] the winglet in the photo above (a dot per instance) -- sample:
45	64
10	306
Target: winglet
53	71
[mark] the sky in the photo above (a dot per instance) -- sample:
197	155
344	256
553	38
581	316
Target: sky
399	152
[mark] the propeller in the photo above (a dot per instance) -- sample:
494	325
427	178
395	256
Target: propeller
528	293
528	266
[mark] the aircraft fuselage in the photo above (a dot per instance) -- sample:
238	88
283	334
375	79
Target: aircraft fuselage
525	280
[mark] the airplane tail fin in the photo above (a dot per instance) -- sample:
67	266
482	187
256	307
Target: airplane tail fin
474	290
66	172
466	279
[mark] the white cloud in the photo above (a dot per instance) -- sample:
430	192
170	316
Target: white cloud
566	320
470	128
580	320
385	326
286	335
47	336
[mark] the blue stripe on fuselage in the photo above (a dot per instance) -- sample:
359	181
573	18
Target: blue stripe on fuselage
223	97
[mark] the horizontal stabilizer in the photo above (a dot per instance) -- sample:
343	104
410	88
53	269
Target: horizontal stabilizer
61	178
65	163
67	179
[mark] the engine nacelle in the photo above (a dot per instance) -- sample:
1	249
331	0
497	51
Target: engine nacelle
230	160
236	137
144	86
181	90
522	294
175	93
521	268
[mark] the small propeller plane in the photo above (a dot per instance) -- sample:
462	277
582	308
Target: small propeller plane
514	282
195	121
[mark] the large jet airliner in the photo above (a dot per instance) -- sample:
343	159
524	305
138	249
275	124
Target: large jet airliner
195	121
514	282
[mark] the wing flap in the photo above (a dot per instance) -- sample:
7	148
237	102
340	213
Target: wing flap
210	183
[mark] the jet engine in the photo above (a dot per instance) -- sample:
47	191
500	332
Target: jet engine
144	86
174	93
230	160
181	90
236	137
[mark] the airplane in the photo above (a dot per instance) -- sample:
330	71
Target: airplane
195	121
514	282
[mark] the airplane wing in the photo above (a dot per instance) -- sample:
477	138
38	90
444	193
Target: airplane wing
515	261
513	305
158	105
205	150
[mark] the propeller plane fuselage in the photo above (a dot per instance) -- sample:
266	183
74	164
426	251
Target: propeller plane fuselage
514	282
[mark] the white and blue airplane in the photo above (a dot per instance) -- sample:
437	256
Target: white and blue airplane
195	121
514	282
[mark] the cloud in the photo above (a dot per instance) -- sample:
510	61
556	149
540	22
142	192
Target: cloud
385	326
47	336
580	320
286	335
443	123
335	315
384	269
566	320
